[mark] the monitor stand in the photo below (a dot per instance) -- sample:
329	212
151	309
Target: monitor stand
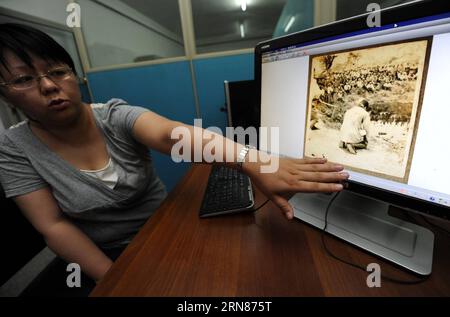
365	222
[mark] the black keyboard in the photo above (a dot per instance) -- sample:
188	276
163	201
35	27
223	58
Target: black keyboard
228	191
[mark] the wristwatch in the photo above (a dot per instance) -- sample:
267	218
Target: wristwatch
243	154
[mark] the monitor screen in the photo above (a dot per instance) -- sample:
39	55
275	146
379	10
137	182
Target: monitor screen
241	104
242	107
375	101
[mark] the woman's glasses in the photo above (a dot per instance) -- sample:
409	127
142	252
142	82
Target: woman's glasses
29	81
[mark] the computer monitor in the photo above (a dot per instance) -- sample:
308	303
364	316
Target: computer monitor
374	99
242	107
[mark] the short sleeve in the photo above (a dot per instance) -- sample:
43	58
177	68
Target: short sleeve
122	116
17	175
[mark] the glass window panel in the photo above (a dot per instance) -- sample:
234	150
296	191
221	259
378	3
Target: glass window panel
349	8
224	25
128	31
300	15
296	16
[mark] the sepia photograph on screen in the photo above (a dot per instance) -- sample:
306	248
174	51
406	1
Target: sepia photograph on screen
364	107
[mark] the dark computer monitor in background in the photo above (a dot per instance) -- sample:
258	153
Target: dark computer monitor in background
243	109
374	99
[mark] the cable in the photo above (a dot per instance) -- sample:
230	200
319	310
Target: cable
384	277
328	209
261	205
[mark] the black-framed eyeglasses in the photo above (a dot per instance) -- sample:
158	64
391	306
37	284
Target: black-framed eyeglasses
23	82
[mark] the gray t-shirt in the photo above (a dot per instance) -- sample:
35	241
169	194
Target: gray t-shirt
110	217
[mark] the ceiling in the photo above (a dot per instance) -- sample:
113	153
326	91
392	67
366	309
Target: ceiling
216	21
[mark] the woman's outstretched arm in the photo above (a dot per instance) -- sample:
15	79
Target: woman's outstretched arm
278	178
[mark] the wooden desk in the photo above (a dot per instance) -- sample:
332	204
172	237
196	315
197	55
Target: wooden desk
256	254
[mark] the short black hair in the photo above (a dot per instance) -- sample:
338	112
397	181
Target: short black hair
23	40
365	103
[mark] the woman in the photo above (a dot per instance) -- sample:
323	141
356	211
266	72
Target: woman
81	173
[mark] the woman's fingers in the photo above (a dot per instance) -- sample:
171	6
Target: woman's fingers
311	161
326	167
322	177
312	187
284	206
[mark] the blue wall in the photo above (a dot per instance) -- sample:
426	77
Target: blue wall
210	74
165	89
85	93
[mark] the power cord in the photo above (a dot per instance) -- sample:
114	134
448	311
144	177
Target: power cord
384	277
261	205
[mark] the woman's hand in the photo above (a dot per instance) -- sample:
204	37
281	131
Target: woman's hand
296	175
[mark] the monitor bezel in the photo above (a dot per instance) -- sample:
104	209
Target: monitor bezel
390	16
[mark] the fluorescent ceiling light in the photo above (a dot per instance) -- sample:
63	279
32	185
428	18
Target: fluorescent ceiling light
243	5
242	30
289	25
